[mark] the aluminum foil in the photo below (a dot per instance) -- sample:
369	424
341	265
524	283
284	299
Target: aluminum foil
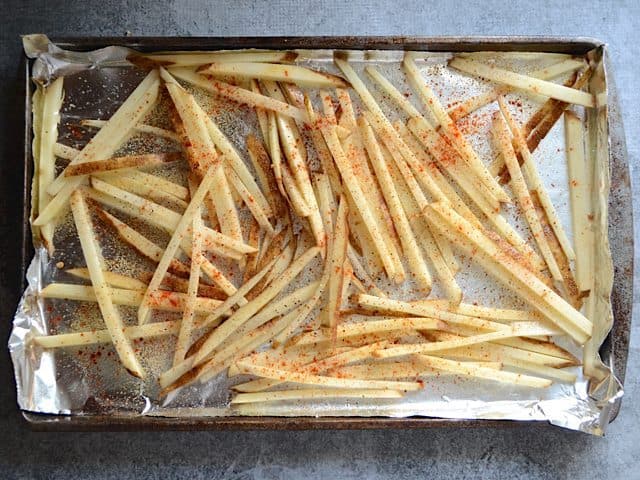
89	380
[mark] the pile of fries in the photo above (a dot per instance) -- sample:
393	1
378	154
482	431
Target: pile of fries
332	194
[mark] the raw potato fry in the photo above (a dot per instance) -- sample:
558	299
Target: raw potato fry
103	144
120	163
273	72
338	254
140	128
47	133
94	337
535	182
188	315
125	182
312	394
466	368
580	189
65	152
237	94
430	101
307	379
355	329
195	59
503	138
159	183
161	299
471	310
524	82
515	331
262	165
102	291
113	279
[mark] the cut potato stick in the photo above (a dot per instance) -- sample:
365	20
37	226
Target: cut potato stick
361	273
237	94
274	72
195	59
516	330
302	313
337	257
120	163
262	164
410	247
133	185
534	180
103	144
93	337
506	269
112	278
159	183
176	239
65	152
293	193
466	368
312	394
263	119
140	128
46	131
275	150
161	217
571	292
450	129
524	82
472	310
499	353
161	299
376	326
503	139
244	313
580	189
101	290
188	315
306	379
352	185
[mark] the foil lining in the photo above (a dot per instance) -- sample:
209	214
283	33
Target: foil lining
68	383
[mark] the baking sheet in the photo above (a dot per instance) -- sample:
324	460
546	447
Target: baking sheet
61	383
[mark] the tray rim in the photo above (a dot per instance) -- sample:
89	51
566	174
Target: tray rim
618	337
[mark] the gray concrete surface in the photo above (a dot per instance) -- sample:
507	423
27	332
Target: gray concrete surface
447	452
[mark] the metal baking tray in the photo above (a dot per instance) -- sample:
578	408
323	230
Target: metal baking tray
614	351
